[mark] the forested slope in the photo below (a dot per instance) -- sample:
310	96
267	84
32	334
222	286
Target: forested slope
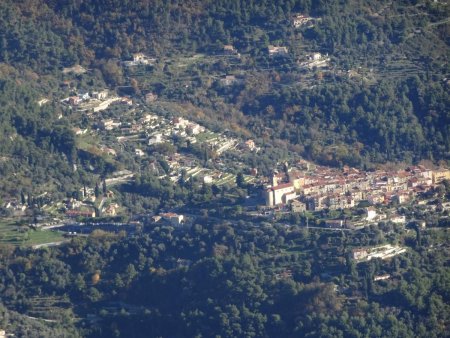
394	108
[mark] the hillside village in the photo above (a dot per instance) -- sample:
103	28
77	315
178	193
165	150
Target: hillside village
117	121
296	186
325	188
224	168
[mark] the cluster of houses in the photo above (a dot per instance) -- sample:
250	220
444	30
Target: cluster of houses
76	208
160	130
181	127
76	69
231	80
75	100
143	128
325	188
139	59
298	21
278	51
131	127
309	61
314	60
95	101
301	20
16	206
186	127
83	205
163	130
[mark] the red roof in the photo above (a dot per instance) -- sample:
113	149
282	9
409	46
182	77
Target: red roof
282	186
75	213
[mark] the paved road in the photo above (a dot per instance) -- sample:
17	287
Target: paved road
45	245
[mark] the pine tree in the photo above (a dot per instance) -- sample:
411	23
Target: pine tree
96	190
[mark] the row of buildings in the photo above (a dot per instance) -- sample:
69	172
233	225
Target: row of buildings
325	188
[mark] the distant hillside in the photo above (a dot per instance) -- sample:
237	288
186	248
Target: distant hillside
383	97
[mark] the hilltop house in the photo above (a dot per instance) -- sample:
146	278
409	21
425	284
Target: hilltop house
100	95
79	131
360	254
126	100
230	50
110	210
74	100
315	60
194	129
250	144
299	20
157	138
109	124
230	80
84	96
141	58
278	51
179	122
381	277
173	218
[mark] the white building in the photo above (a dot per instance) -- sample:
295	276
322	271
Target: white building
194	129
250	144
278	51
139	152
300	20
280	194
398	219
157	138
371	214
109	124
100	95
174	219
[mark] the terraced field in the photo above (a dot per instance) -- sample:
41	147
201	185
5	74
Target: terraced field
17	234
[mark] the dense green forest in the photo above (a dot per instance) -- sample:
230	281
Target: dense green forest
229	281
383	98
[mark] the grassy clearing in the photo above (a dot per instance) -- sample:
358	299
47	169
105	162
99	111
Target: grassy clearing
42	237
87	141
205	137
14	233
